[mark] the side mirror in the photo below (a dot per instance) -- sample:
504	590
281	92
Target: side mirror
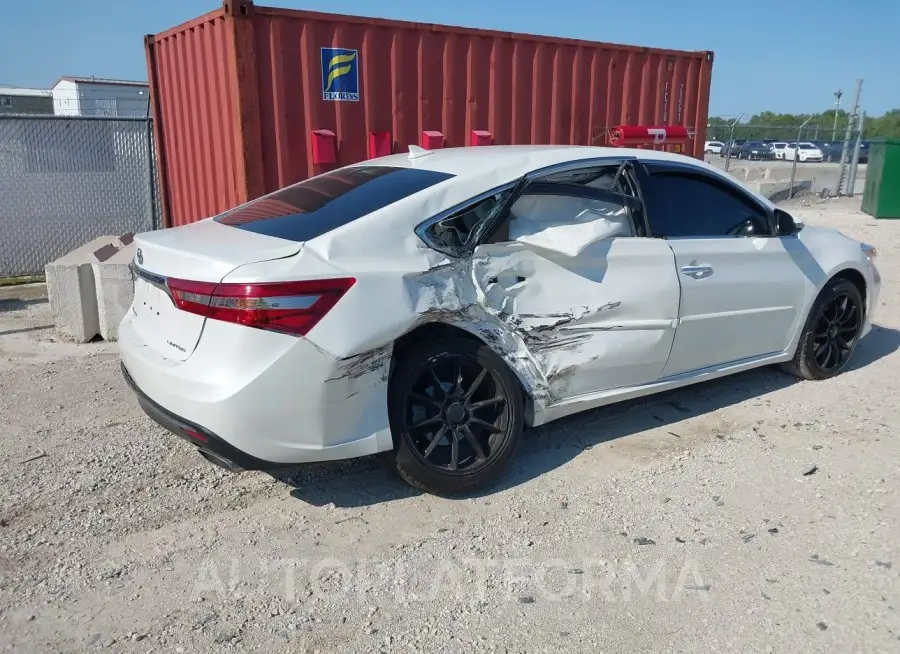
786	223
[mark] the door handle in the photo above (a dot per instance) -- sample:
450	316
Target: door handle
697	271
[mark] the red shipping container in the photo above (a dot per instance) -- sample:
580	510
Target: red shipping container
240	95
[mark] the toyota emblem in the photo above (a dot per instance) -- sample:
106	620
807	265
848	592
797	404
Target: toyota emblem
140	256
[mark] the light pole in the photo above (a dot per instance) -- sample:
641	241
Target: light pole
837	108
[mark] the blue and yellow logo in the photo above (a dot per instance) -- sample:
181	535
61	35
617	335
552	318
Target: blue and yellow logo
340	74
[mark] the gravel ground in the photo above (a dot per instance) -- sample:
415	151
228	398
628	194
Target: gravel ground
752	514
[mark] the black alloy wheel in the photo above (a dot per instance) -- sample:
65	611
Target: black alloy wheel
456	415
831	332
836	332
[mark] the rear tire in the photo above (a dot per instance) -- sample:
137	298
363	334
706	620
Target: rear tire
831	332
456	413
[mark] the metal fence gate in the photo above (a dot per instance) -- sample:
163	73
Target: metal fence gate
65	180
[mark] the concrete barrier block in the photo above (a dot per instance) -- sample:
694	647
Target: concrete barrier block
72	291
115	290
781	190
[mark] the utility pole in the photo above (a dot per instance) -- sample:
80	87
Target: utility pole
845	151
837	108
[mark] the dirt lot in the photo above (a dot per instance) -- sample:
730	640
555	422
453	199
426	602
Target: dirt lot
749	514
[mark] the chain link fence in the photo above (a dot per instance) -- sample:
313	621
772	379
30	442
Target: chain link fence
66	180
832	160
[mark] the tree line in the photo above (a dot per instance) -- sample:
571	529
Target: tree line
772	125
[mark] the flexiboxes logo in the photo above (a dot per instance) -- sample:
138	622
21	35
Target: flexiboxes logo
340	74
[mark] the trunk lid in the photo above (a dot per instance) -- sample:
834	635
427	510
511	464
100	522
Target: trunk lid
205	251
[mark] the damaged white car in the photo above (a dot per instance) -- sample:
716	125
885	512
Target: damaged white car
435	304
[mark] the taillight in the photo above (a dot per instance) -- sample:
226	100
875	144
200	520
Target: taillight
288	307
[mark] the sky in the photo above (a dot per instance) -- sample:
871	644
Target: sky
778	55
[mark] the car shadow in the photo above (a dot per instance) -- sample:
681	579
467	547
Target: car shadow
367	481
877	344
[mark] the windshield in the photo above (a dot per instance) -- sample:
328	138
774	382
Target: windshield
320	204
807	146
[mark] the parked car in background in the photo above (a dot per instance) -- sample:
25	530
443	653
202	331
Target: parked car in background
713	147
755	150
778	149
832	150
432	305
864	152
732	147
803	151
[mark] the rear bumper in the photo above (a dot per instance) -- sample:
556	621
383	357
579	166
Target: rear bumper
261	398
205	440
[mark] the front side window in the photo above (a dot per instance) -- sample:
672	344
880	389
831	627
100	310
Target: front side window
320	204
568	211
567	223
681	204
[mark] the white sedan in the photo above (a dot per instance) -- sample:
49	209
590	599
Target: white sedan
434	304
778	147
713	147
802	152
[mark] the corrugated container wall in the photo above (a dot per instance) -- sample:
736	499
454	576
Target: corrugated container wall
248	99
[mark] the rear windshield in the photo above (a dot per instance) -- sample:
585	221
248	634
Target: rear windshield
320	204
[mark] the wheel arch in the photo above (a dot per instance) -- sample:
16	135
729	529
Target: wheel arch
440	329
856	278
846	269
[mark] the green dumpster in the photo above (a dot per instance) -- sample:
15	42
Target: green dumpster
881	195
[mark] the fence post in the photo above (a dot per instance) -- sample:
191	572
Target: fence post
845	151
730	139
854	165
151	178
796	158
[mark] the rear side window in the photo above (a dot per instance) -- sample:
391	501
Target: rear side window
320	204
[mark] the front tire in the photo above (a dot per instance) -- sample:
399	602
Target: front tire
456	414
831	332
